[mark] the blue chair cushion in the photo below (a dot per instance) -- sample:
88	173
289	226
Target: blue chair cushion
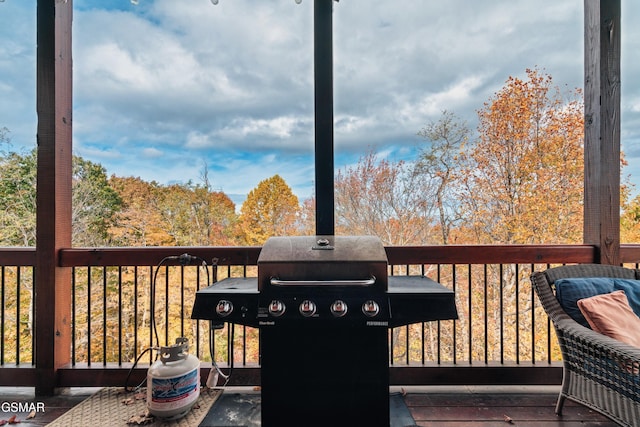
569	291
632	289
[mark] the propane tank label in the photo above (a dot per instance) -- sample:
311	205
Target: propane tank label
176	389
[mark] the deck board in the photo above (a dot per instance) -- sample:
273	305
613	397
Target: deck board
469	407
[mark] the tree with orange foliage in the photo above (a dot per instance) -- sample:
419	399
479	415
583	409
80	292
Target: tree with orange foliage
521	183
527	163
138	223
271	209
630	221
177	214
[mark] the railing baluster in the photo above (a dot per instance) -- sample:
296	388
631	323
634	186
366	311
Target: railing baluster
439	323
136	350
455	322
244	345
151	305
197	323
166	305
517	300
18	300
3	324
470	323
74	317
391	347
532	302
181	301
501	314
485	281
119	315
89	336
105	309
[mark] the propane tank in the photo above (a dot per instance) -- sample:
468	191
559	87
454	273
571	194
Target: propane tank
173	381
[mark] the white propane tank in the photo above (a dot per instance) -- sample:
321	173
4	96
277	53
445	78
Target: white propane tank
173	382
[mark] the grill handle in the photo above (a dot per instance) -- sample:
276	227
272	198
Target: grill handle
357	282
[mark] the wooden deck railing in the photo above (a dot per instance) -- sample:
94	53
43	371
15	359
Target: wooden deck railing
502	336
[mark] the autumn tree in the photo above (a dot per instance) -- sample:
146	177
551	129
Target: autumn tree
95	204
213	215
522	182
307	217
18	198
630	221
173	215
196	215
382	198
526	163
439	162
139	222
271	209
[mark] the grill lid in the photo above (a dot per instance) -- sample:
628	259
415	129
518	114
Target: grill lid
323	260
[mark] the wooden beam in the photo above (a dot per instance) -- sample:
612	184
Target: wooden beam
602	128
53	216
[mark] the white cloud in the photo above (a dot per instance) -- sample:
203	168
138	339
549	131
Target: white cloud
197	140
152	153
460	93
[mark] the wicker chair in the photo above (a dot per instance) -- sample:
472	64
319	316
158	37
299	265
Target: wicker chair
598	372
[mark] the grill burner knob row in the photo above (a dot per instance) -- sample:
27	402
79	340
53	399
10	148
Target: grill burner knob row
224	308
339	308
276	308
370	308
307	308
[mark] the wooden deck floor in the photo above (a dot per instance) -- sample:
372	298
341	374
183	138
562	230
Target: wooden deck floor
492	406
429	406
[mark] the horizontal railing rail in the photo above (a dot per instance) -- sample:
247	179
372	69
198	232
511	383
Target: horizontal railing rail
501	337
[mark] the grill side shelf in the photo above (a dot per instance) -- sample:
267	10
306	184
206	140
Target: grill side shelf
416	299
243	294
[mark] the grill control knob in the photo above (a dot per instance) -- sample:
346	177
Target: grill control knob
370	308
224	308
276	308
307	308
338	308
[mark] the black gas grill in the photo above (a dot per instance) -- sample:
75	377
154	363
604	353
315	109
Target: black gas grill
324	305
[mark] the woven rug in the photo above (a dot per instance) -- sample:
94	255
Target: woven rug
112	406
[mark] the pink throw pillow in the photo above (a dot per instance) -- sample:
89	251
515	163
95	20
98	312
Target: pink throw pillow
611	315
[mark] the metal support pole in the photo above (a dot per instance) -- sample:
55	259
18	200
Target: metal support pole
323	84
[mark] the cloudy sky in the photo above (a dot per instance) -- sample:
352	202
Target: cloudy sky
166	87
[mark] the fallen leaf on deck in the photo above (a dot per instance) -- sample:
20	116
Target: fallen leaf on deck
508	419
13	420
140	419
32	414
3	422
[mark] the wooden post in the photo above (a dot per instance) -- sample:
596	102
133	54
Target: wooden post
53	216
602	128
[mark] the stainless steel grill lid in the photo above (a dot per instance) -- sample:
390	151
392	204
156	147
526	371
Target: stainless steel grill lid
323	261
